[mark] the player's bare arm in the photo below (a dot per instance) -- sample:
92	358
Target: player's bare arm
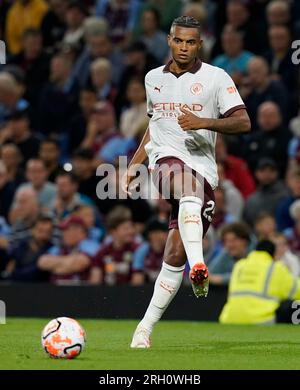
237	122
139	157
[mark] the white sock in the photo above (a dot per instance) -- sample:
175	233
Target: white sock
166	286
191	229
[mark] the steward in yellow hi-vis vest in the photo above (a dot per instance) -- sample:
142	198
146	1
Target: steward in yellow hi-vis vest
257	287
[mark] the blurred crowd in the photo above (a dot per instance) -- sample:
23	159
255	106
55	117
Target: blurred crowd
72	97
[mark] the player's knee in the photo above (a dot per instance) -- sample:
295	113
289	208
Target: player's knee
175	258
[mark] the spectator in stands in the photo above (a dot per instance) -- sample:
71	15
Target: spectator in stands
270	140
135	115
23	15
76	13
11	158
78	123
98	44
18	131
283	217
96	232
71	261
113	264
121	16
7	191
140	208
49	153
293	233
279	56
154	38
259	87
278	13
203	12
265	226
5	232
294	144
234	59
234	200
138	63
269	194
23	257
83	168
102	135
67	197
101	79
35	64
148	257
284	253
58	100
221	216
235	169
266	282
37	179
239	18
168	10
23	214
236	239
11	99
53	25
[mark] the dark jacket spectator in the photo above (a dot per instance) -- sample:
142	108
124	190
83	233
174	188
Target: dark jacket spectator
35	64
283	217
270	191
19	132
260	88
84	169
78	123
270	140
24	256
53	24
49	153
58	99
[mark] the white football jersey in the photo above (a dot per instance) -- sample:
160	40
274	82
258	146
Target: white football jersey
208	92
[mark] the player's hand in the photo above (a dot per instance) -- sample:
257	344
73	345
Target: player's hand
188	120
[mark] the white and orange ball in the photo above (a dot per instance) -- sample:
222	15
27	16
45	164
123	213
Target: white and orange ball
63	338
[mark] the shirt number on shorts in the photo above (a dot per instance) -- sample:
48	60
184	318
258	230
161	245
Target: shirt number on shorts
209	210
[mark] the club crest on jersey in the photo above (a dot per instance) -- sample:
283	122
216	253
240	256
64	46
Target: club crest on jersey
196	88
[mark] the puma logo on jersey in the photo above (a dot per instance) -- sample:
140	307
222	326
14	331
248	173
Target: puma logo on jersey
158	88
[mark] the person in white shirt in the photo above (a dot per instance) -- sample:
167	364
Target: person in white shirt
188	101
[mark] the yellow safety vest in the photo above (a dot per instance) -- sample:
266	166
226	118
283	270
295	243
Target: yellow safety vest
257	286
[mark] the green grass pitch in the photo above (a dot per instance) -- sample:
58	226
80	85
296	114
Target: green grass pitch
175	345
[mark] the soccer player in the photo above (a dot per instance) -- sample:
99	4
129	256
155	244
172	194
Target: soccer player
189	102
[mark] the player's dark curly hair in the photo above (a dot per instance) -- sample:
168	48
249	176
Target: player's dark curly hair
187	21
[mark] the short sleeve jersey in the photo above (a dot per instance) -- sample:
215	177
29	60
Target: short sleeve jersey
208	92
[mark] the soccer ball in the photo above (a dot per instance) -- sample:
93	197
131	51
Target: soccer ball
63	338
